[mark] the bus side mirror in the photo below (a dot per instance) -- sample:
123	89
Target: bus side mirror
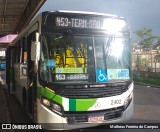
35	51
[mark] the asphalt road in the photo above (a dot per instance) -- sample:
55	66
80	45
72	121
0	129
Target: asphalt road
146	110
147	104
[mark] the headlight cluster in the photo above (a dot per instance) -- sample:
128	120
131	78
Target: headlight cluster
128	100
52	105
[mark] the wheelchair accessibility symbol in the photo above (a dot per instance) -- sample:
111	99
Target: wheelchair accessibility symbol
101	75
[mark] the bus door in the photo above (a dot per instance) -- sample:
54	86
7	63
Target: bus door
32	82
20	68
23	72
10	74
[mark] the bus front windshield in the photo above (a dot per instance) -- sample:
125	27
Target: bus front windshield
68	58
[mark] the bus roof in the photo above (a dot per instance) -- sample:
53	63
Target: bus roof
38	16
87	13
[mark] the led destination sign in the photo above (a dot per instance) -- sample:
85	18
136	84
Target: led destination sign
91	23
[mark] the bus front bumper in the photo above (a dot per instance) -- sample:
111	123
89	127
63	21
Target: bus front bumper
50	120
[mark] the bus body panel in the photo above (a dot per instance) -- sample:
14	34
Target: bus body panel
53	121
90	104
45	117
31	91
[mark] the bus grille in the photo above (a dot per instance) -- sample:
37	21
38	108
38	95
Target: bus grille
92	91
81	117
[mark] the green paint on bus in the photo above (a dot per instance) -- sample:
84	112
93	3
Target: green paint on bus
81	104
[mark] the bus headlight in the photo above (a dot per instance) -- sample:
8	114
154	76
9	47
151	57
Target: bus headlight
128	100
56	108
46	102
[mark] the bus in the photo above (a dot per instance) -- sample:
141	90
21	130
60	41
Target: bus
73	69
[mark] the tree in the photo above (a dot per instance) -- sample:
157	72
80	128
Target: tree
146	37
157	45
134	44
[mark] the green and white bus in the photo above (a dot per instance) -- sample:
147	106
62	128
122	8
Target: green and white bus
73	69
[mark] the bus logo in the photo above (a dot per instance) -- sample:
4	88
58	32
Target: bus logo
97	105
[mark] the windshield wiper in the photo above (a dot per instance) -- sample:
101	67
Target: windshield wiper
107	46
106	49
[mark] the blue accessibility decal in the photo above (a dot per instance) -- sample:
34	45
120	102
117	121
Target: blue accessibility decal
101	75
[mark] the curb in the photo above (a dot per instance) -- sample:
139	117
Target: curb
144	84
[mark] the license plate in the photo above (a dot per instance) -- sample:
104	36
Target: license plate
95	118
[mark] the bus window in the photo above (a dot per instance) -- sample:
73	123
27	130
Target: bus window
67	57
